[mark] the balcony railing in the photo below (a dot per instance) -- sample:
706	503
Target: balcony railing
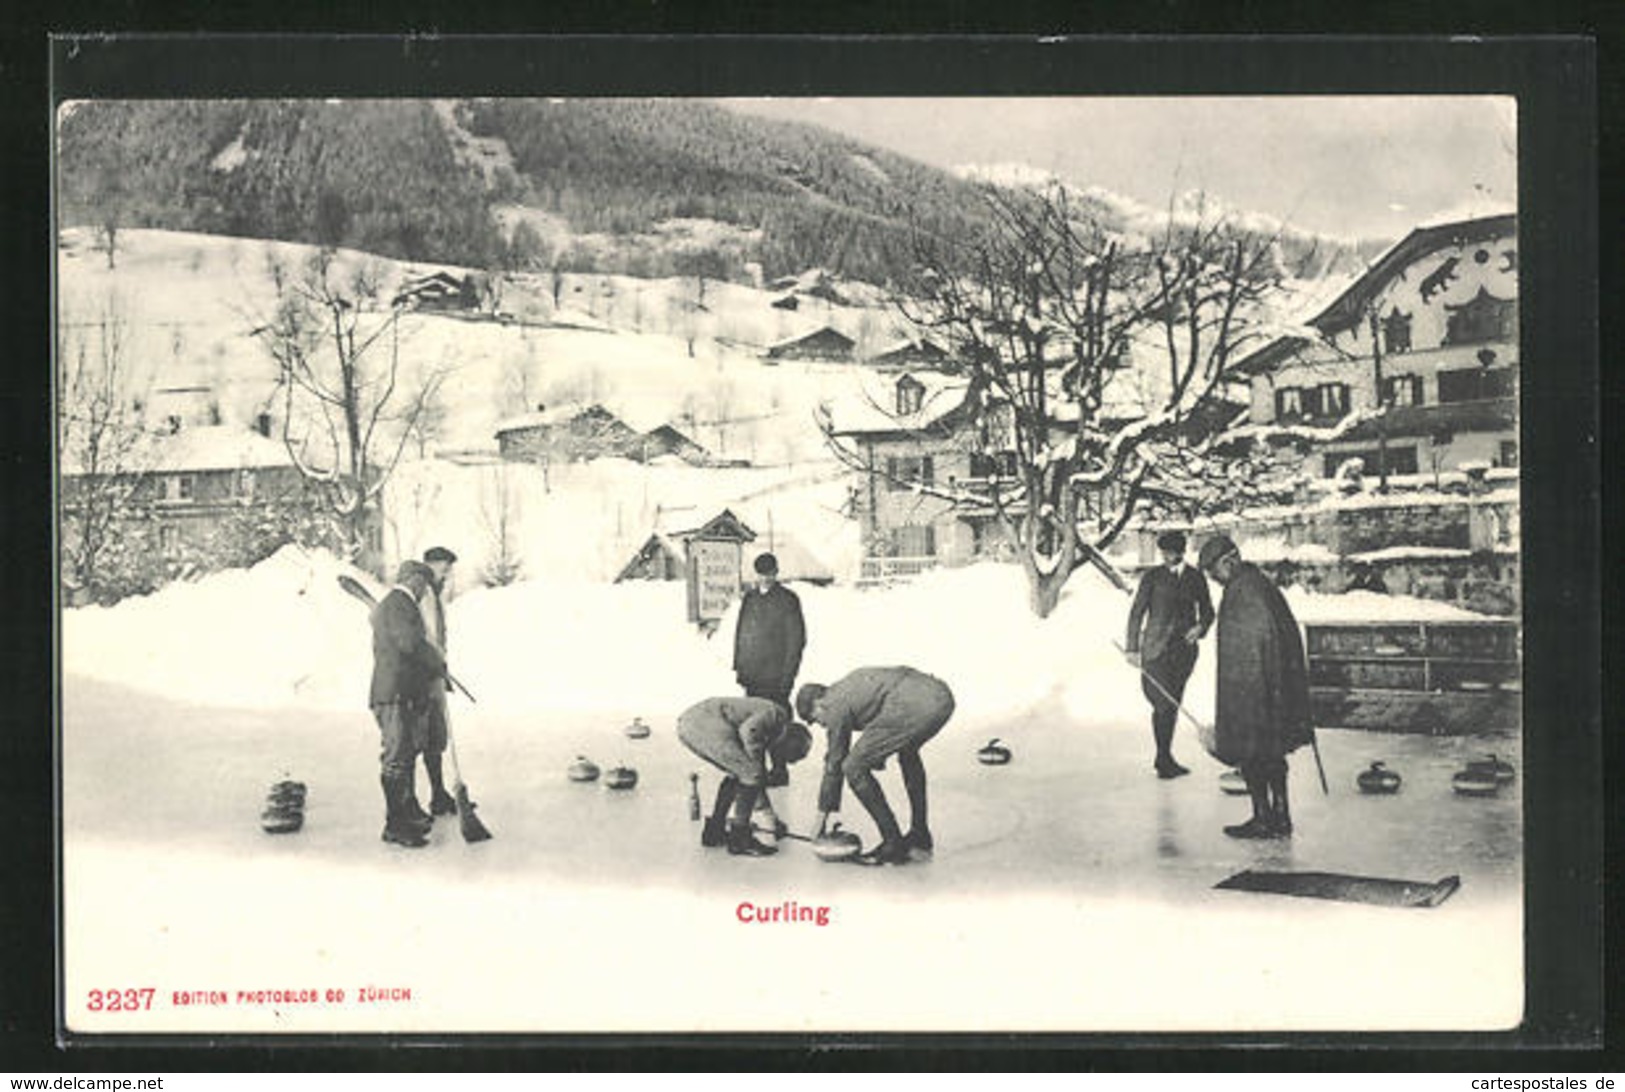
885	570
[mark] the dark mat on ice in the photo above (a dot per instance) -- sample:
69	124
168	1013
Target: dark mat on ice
1344	888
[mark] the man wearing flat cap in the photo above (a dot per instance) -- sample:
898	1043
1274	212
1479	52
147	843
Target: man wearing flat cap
768	642
1172	611
439	561
1261	711
406	671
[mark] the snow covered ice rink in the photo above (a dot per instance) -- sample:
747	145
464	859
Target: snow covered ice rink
1071	889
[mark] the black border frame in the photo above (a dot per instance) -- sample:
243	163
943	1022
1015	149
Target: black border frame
1554	80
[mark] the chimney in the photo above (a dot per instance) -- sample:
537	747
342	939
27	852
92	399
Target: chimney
262	424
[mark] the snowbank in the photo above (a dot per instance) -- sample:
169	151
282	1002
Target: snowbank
283	635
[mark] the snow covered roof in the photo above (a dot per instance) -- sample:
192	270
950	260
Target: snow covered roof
873	408
570	319
219	447
1347	309
821	333
640	418
206	447
1329	311
796	562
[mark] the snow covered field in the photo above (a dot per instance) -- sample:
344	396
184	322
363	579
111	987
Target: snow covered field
1071	890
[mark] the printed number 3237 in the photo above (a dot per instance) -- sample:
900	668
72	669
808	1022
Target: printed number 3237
120	1000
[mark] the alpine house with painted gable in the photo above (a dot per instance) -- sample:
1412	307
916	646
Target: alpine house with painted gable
1421	350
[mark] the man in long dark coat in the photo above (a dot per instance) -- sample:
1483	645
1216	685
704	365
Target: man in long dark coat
1262	709
1172	611
406	668
768	642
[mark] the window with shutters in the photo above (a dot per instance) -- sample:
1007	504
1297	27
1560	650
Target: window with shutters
912	540
1396	332
1331	400
910	395
1402	390
1288	404
1476	384
902	471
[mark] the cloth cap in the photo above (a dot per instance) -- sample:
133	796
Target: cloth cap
767	565
795	743
1215	548
439	553
412	570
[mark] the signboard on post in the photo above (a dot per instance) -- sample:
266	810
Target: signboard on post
714	554
713	578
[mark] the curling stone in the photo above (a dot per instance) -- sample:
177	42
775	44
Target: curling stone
637	729
994	754
1497	767
621	777
281	820
288	793
1475	782
836	844
583	769
1379	780
1231	783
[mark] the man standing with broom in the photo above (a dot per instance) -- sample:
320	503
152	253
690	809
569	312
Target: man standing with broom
406	671
1173	609
1261	712
439	561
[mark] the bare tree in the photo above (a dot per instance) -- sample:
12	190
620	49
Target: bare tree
500	518
1049	312
102	445
349	408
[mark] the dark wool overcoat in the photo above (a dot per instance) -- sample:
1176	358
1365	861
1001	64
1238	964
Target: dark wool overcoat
405	666
1165	608
1262	708
769	640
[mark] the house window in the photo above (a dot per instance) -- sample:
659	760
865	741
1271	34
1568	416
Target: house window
1396	332
1329	400
1288	404
1402	390
1482	318
1476	384
180	488
902	470
1508	454
245	484
168	540
987	465
914	541
910	395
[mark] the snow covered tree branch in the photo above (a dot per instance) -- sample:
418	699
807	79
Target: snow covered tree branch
349	408
1106	361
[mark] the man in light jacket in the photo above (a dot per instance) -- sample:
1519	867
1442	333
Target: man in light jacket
896	710
737	735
